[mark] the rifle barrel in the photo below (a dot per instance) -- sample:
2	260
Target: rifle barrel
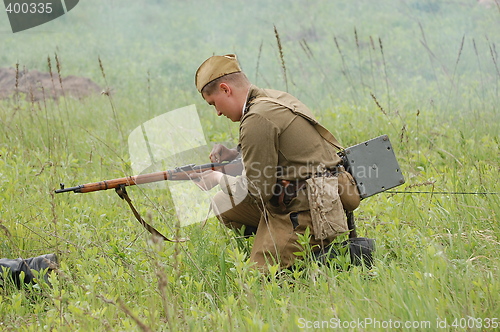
177	174
63	190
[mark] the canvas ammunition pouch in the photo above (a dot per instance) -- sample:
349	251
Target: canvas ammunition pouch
327	212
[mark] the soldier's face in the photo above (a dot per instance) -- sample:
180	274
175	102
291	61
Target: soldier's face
225	103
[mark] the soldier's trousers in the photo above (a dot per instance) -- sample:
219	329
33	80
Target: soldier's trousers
276	240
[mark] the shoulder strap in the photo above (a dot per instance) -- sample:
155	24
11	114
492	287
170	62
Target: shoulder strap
325	133
120	190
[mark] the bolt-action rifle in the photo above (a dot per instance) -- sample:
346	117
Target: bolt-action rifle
182	173
372	163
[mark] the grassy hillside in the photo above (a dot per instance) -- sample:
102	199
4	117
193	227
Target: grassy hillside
424	72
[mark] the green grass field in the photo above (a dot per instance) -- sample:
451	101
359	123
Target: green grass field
426	73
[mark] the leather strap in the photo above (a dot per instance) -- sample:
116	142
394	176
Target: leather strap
123	195
325	133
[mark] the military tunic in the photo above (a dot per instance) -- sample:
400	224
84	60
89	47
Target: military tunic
275	143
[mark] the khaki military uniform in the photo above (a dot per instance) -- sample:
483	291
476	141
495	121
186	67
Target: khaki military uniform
276	142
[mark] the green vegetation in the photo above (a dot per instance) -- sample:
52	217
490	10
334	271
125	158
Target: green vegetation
426	73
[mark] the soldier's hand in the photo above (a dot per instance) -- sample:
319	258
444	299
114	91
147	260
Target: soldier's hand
220	153
206	180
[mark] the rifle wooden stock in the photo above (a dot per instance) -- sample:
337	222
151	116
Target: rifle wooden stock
183	173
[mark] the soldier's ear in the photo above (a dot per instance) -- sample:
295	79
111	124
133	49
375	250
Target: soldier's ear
224	87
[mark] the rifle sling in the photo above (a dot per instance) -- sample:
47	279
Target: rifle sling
325	133
124	195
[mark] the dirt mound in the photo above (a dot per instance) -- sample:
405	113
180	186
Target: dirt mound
36	85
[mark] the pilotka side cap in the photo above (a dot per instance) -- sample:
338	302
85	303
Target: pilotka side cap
215	67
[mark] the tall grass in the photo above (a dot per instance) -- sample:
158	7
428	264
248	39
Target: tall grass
436	255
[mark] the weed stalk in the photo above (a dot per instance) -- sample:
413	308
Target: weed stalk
16	93
258	61
455	70
309	53
162	286
49	134
432	57
107	92
282	58
59	73
346	73
483	99
372	48
63	127
494	57
359	57
385	74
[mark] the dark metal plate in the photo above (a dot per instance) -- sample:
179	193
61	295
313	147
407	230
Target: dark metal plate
374	166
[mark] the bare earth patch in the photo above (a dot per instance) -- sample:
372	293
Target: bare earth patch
36	85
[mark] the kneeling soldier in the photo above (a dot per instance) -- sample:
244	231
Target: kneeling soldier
291	166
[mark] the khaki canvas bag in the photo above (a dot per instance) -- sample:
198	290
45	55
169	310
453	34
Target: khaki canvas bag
327	213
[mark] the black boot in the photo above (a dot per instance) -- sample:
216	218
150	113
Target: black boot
360	251
360	248
16	266
249	231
